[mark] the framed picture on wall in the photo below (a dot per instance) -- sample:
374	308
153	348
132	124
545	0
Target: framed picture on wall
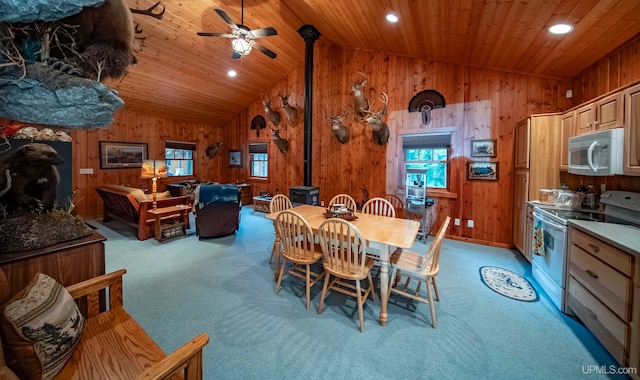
115	155
235	158
483	148
483	170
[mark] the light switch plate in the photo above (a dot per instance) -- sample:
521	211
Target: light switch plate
86	170
470	223
456	222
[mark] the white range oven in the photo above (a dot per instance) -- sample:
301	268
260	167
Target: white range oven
549	268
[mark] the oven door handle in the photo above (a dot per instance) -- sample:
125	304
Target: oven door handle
550	223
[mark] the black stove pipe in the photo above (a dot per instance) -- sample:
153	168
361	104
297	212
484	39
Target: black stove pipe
310	34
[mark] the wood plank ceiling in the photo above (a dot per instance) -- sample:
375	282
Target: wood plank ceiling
184	76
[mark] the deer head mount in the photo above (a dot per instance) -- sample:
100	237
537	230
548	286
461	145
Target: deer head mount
212	150
360	102
340	131
272	115
282	144
289	111
380	129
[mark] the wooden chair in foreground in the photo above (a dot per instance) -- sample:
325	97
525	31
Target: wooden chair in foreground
279	202
397	203
344	199
345	258
423	268
299	248
114	346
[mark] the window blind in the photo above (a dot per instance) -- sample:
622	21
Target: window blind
180	145
258	148
426	140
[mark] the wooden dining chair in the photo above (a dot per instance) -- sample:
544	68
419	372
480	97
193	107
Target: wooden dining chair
379	206
345	259
397	203
279	202
423	268
298	248
344	199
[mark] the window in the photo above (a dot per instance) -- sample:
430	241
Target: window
259	159
179	156
431	152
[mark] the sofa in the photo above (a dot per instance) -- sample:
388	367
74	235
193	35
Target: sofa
217	210
131	205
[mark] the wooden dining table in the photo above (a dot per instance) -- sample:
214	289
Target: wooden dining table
386	231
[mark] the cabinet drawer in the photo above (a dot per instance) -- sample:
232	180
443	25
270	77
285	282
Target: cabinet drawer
603	251
606	326
610	286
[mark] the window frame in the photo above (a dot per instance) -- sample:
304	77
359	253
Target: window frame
447	163
265	145
184	146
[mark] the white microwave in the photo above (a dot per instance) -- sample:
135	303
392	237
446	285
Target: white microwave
597	154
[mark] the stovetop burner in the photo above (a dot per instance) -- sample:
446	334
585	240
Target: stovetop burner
621	208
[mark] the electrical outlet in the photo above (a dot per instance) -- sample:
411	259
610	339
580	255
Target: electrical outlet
456	222
470	223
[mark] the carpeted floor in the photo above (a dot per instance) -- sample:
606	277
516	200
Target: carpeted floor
224	287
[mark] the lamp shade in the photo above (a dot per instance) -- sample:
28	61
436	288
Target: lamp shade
154	169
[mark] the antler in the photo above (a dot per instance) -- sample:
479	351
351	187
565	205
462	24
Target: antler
384	99
149	11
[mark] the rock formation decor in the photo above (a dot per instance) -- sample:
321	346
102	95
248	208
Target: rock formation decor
54	53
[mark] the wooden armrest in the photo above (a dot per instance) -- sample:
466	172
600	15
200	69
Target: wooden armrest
90	288
188	357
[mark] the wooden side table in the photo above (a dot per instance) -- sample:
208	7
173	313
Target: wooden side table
261	203
173	227
245	194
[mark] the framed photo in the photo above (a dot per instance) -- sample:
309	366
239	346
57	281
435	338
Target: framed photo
235	158
483	170
116	155
483	148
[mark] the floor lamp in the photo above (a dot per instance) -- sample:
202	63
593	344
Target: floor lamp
154	169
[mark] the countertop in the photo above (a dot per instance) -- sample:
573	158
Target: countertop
626	238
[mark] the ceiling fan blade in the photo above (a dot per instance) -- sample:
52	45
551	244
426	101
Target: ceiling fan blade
264	32
266	51
207	34
226	18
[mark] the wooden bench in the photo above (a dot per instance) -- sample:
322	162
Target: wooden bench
114	346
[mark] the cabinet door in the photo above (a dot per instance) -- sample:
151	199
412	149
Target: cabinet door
566	131
609	112
585	119
522	144
521	195
632	131
528	234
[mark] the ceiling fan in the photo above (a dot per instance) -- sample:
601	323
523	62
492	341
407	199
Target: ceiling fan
243	38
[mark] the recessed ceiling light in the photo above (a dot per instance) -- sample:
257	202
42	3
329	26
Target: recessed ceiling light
560	29
232	73
392	18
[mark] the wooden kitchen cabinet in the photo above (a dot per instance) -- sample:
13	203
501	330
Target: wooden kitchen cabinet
537	164
632	131
521	194
522	144
605	113
567	121
600	291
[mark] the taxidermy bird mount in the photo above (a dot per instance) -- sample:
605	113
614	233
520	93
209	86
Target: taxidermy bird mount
424	102
243	37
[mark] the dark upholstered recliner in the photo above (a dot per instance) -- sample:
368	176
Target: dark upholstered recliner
217	210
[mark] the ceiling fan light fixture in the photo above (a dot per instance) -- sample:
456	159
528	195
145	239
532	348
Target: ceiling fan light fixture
241	46
392	18
560	29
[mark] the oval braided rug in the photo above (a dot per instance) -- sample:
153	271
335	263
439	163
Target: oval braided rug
508	284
